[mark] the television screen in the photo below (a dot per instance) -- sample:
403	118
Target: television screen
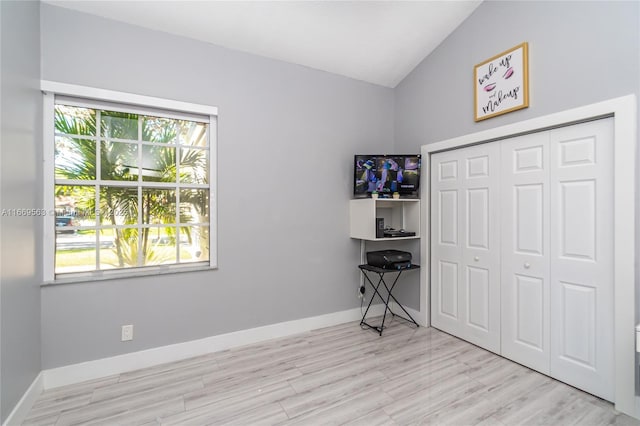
386	174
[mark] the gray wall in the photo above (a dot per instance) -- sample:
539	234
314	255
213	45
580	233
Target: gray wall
276	237
21	118
286	139
579	53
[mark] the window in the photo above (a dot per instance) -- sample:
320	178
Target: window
132	190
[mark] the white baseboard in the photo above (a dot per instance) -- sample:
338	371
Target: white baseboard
416	315
104	367
22	408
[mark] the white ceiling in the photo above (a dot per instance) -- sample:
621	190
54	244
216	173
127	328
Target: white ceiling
375	41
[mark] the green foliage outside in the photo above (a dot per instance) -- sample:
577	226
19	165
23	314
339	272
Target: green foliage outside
76	158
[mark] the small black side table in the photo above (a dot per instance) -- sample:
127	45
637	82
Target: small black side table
381	272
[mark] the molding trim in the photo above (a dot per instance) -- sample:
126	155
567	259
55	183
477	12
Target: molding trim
624	112
104	367
417	315
22	408
124	97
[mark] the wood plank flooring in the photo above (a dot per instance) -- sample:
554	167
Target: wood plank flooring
336	375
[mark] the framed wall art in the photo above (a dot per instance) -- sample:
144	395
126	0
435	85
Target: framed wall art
501	83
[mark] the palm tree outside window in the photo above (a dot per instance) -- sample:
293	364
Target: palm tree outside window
132	189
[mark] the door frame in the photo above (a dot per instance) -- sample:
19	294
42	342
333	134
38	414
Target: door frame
623	110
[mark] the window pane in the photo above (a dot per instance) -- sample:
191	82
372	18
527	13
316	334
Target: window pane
119	161
75	206
194	165
75	120
194	134
194	245
108	252
75	158
167	130
118	205
75	251
159	245
119	125
160	130
120	248
194	205
158	206
158	163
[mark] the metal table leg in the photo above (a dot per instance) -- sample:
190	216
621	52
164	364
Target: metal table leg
376	289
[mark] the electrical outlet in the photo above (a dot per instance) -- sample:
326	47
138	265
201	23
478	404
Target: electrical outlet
127	332
361	291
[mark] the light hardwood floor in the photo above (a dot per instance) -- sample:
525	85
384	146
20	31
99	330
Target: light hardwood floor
335	375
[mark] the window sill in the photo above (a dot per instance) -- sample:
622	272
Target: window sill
128	273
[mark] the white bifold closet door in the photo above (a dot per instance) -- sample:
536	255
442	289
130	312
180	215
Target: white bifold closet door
581	239
548	254
525	287
465	276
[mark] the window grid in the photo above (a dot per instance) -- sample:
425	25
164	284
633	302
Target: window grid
140	184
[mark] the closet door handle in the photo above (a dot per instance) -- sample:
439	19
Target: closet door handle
527	265
476	258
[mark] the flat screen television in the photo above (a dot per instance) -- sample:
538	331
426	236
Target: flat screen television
386	174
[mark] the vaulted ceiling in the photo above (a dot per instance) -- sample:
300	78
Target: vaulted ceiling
375	41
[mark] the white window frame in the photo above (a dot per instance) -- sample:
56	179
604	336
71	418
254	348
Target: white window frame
175	109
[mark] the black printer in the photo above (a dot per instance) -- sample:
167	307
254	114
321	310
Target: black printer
389	259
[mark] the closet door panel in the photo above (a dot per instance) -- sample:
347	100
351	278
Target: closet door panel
529	310
465	256
446	245
582	256
481	245
525	250
528	217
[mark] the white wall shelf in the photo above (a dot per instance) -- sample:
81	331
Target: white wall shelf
403	213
